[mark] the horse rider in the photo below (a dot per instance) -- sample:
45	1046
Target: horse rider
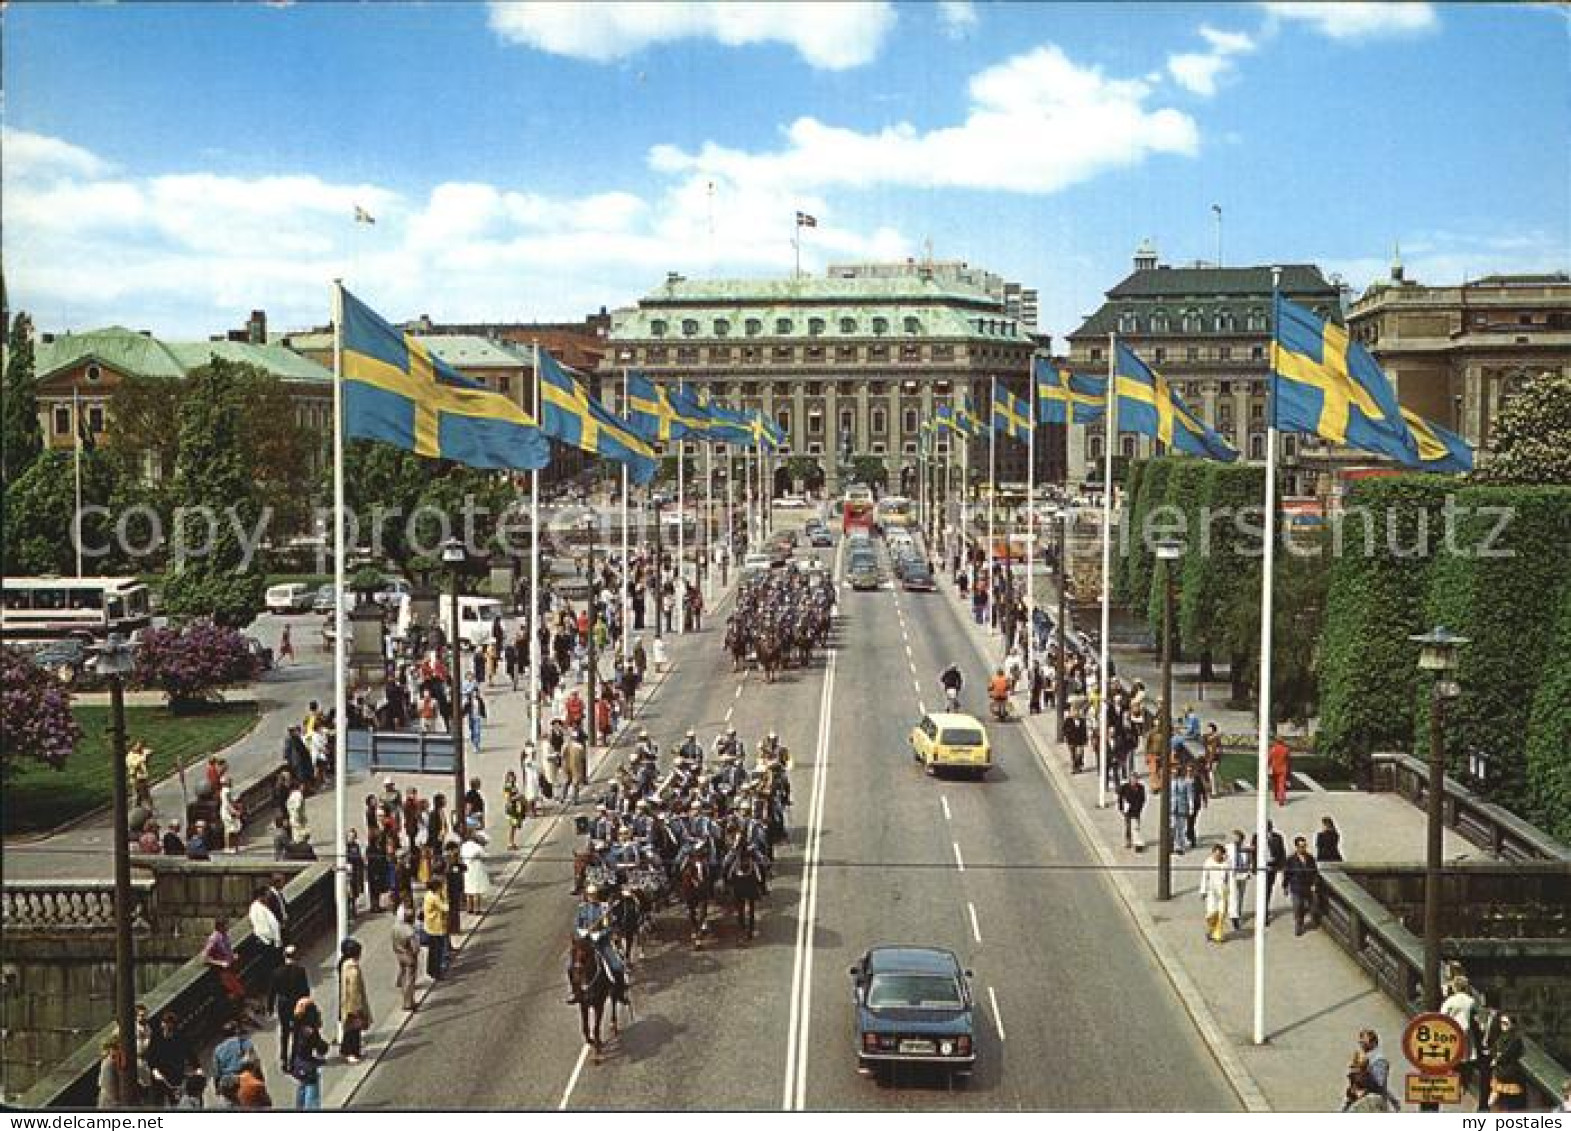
604	826
727	743
692	750
699	834
626	855
645	773
592	921
732	773
643	822
647	748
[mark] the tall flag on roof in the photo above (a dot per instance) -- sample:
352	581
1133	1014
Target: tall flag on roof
397	393
1011	414
1327	385
1148	405
570	414
803	220
1067	398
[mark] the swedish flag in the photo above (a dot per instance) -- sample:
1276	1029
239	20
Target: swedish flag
1439	450
1011	414
965	417
943	417
657	413
1326	385
396	393
1068	398
766	432
728	426
571	415
1148	406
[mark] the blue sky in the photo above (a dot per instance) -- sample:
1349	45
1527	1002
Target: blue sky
173	167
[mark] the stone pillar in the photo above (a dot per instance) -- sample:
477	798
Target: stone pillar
831	456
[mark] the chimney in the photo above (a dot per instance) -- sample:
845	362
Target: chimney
256	328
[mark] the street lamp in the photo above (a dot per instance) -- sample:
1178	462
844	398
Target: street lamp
1061	516
656	578
1168	551
453	555
116	661
1438	650
589	528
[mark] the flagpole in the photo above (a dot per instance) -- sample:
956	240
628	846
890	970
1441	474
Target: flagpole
1263	743
534	579
681	535
76	421
627	599
340	658
1111	417
992	485
709	522
730	499
1031	527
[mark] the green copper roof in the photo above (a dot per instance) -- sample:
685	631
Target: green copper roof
139	355
464	350
282	363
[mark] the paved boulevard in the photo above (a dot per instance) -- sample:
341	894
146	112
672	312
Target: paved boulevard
1073	1012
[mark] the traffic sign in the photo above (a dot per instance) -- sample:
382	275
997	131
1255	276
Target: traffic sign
1434	1044
1423	1089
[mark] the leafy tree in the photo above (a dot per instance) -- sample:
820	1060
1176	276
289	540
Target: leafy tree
1298	617
1216	581
145	416
1549	732
1139	560
36	723
807	471
21	435
1185	484
215	481
40	508
870	470
193	663
1531	439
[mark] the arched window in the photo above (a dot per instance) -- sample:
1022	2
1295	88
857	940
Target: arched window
753	327
783	326
912	325
815	326
657	328
722	327
848	325
689	327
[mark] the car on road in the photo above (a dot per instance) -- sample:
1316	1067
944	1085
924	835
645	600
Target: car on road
791	503
917	577
864	573
913	1006
289	597
945	741
757	563
324	601
819	535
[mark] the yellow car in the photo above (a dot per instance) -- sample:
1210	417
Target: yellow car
945	741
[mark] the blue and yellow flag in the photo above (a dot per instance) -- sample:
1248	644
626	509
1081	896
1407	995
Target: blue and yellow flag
397	393
658	413
1327	385
1068	398
966	421
1011	414
728	426
766	433
943	417
570	414
1439	450
1148	406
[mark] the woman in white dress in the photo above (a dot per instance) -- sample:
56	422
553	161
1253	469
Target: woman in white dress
477	881
1215	889
229	813
531	782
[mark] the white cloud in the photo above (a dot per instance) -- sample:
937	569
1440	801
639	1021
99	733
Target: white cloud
1440	258
831	36
957	17
1197	71
1037	123
29	154
1354	21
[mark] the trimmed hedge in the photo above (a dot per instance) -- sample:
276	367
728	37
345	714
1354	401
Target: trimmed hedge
1138	560
1185	485
1549	733
1120	585
1217	581
1504	603
1368	667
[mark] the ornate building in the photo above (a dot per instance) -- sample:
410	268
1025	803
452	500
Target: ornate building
1457	354
1208	330
848	366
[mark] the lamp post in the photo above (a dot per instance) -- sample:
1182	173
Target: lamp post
115	661
453	555
1061	516
656	575
1169	552
1438	650
589	528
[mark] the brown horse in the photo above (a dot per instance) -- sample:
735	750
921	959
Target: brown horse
592	987
696	883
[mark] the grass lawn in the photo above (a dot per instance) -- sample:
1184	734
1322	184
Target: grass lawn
1241	764
39	798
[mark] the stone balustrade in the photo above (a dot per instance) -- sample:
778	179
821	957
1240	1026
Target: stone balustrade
53	906
1504	834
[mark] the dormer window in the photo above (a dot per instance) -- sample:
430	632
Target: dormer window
689	327
722	328
880	326
1159	322
658	328
1126	322
815	327
912	325
1191	322
783	326
848	325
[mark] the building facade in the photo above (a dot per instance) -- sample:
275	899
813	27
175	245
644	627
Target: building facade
1458	354
1207	329
848	365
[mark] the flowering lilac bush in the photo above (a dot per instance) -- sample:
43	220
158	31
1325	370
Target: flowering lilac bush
192	663
35	715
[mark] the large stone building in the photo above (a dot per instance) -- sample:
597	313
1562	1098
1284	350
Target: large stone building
1457	354
847	365
1207	329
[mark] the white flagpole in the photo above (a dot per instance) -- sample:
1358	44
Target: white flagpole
992	481
534	580
681	537
1264	741
1110	417
709	523
627	600
730	498
76	523
340	657
1031	527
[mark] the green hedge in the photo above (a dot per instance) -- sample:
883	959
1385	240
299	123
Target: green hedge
1185	485
1549	733
1138	561
1136	473
1376	602
1505	604
1216	580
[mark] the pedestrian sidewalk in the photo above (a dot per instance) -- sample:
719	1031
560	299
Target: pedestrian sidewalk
1317	998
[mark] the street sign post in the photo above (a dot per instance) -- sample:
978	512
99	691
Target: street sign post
1435	1045
1432	1091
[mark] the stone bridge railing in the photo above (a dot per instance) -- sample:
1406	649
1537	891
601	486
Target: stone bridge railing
38	906
1502	833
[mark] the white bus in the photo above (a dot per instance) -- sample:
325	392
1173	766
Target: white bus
82	608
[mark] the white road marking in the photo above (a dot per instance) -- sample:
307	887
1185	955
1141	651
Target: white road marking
944	801
908	649
798	1030
998	1018
739	691
960	861
976	928
921	707
915	684
572	1081
729	711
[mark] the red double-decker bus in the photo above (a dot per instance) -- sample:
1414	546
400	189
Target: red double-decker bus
857	510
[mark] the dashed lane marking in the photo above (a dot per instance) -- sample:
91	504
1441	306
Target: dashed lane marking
998	1018
944	801
960	861
976	928
572	1081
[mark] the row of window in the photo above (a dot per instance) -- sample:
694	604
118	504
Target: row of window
756	355
61	418
721	390
1128	447
784	327
1159	354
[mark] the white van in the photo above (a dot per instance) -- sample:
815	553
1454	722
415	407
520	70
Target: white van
475	617
291	597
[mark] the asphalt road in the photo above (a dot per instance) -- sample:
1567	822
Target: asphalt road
1072	1011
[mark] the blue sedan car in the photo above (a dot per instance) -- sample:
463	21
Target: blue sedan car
913	1006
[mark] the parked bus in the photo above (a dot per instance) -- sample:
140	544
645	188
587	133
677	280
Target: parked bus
81	608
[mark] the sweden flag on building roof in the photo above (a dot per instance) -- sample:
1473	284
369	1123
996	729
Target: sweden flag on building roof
1327	385
397	393
1439	450
1063	397
570	414
1011	414
1148	406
